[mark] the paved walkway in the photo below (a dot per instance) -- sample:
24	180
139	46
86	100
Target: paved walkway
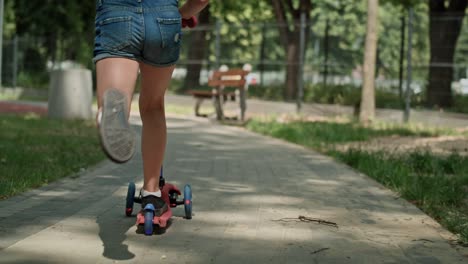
260	107
248	189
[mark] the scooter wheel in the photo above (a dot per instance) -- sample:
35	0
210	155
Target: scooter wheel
148	223
188	201
130	197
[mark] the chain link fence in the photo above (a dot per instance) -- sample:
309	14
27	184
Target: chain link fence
331	68
24	68
332	61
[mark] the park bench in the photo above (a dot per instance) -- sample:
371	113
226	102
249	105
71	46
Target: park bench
220	81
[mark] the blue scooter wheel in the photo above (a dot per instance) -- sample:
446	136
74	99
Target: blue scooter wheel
130	197
188	201
148	223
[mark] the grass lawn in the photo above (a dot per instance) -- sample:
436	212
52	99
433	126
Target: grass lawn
35	151
437	184
323	133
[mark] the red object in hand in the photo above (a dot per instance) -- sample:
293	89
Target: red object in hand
189	22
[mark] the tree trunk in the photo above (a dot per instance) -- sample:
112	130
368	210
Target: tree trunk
292	67
326	50
288	18
197	52
402	56
445	26
367	111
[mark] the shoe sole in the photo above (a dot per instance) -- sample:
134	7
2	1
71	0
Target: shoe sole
117	138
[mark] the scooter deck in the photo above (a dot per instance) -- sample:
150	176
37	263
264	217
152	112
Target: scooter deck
157	220
164	218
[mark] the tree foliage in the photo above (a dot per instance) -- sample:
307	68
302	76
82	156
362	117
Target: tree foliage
346	32
64	29
289	14
446	20
461	57
240	31
9	26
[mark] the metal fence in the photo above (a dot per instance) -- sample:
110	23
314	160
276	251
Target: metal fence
24	65
330	58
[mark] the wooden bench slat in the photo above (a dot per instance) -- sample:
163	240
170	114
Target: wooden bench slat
227	83
208	94
240	72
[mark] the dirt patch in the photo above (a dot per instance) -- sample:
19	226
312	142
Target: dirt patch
394	144
287	118
17	108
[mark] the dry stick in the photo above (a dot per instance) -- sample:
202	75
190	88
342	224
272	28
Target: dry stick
319	250
308	220
423	240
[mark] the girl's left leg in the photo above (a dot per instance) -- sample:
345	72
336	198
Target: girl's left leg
116	79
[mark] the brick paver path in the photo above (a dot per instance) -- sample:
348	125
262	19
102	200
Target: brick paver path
246	188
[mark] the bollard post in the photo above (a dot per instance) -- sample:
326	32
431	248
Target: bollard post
70	94
300	75
408	93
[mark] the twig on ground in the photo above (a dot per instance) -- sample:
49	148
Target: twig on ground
319	250
423	240
307	220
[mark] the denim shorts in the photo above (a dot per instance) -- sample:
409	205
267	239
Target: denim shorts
148	31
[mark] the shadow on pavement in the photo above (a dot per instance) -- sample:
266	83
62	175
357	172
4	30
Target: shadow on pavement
112	234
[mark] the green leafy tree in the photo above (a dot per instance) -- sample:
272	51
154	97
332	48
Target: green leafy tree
461	54
197	49
340	26
446	20
288	16
64	29
9	26
239	40
390	50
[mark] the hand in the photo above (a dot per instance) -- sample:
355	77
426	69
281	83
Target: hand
189	22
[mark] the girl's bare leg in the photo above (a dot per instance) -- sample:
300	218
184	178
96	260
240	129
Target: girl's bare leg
116	73
154	83
116	79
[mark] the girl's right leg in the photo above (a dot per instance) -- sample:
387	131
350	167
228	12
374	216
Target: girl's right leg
154	82
116	78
